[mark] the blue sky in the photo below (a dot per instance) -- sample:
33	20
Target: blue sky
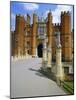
40	9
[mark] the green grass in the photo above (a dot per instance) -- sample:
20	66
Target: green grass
69	87
70	84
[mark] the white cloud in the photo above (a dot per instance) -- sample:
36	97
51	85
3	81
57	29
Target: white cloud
12	16
31	6
57	12
12	28
45	14
25	16
12	22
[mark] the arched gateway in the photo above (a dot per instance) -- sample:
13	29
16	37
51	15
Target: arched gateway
39	50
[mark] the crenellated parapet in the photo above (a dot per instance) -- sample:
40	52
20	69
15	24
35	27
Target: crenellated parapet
65	12
56	27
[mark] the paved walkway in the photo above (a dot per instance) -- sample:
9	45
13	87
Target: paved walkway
26	81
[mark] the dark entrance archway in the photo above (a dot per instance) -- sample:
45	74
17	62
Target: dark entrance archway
39	50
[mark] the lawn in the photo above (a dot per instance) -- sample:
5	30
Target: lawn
69	87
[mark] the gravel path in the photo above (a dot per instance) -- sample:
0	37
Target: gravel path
26	81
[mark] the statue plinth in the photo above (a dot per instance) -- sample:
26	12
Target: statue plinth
49	58
59	68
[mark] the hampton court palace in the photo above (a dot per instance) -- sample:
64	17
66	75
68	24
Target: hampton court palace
26	37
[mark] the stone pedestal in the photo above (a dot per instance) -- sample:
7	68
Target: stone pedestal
44	54
19	52
26	54
59	69
44	58
49	58
36	54
44	50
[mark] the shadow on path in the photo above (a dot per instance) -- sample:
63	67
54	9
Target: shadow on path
41	73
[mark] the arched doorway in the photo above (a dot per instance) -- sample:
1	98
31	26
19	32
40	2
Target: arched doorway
39	50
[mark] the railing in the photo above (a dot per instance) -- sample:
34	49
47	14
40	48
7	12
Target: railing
67	87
